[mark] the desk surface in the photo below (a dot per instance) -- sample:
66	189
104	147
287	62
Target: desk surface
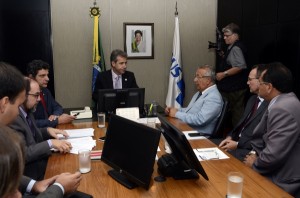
99	184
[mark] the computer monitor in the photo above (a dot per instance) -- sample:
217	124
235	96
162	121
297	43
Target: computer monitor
130	149
111	99
182	163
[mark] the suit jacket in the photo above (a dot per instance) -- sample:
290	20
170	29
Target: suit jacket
202	114
37	148
53	108
277	143
105	81
244	142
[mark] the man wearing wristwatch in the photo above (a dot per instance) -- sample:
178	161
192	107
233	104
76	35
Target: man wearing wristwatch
232	72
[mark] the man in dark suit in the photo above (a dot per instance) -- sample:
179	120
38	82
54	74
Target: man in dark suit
276	139
238	141
49	113
12	95
117	77
38	142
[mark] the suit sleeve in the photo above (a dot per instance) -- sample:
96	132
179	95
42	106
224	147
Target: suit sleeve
50	192
24	183
279	141
134	84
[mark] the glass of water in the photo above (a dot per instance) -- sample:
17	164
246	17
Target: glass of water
235	185
84	157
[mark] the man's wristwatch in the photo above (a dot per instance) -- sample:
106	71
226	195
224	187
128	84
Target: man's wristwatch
252	152
225	73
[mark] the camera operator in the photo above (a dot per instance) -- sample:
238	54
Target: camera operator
232	72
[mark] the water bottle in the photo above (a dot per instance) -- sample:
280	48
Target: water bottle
154	108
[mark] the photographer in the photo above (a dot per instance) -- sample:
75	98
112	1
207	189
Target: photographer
232	72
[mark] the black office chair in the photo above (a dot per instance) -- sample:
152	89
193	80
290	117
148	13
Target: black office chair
217	131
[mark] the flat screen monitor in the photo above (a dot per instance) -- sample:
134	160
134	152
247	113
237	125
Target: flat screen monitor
111	99
130	149
182	163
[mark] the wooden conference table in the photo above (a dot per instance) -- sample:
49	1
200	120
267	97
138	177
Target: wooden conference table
99	184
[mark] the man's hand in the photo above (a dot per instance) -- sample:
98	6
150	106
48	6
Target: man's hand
250	159
41	186
65	118
228	144
167	110
172	112
61	145
220	76
69	181
53	132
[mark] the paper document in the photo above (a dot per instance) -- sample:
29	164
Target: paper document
75	133
213	153
144	120
131	113
186	133
81	143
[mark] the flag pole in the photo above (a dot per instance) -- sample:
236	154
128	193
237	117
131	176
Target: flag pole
176	12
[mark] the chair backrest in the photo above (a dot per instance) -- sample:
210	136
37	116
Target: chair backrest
219	124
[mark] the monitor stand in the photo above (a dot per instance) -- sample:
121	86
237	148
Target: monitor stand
168	166
119	177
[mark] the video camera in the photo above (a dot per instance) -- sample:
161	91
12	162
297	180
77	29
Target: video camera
218	44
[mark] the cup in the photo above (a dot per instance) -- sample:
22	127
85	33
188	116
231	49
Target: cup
101	119
84	157
235	185
151	122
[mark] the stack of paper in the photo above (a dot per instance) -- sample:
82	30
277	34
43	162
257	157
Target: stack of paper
210	154
80	139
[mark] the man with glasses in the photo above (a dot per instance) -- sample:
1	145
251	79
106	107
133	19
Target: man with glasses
232	72
238	141
38	142
12	95
276	139
204	110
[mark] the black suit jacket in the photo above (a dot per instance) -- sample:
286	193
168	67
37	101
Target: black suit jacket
105	81
244	145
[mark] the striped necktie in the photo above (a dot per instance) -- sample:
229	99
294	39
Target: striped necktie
118	82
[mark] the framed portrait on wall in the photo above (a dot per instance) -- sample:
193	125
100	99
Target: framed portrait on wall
139	40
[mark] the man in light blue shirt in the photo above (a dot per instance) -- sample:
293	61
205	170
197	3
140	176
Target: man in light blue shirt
204	110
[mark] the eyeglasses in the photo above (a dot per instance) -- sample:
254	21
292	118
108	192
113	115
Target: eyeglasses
249	79
36	95
227	35
199	77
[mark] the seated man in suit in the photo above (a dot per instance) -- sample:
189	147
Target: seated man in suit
238	141
37	141
117	77
206	105
48	112
276	139
12	95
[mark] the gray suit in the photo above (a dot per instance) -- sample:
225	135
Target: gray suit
203	113
244	142
37	148
277	142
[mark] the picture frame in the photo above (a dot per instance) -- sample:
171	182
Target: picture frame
139	40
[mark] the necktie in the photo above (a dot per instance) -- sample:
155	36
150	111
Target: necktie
44	104
200	93
30	124
245	122
118	82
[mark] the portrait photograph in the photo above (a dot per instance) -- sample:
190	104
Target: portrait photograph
139	40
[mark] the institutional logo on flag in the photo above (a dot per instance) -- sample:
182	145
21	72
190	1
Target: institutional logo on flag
175	94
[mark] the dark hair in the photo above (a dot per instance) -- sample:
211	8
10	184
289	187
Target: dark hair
12	82
11	160
138	32
115	53
279	76
233	28
34	66
260	68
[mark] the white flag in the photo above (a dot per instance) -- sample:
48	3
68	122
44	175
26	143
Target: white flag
175	94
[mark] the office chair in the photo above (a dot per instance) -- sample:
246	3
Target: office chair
217	131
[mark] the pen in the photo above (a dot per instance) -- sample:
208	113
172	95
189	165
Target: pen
76	114
150	109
